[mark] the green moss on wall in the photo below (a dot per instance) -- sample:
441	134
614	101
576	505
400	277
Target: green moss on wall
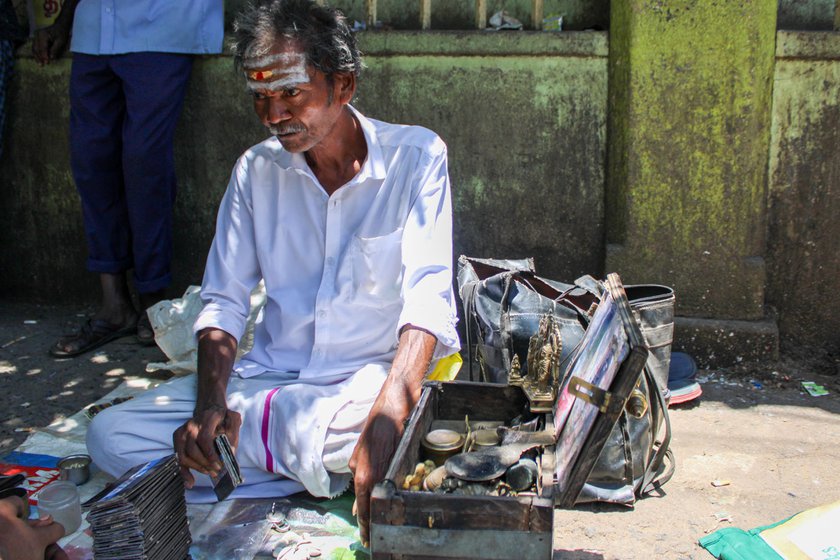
803	231
688	165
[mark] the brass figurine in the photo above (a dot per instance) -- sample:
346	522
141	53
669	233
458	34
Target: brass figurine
515	377
543	375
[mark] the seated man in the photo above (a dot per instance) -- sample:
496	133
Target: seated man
348	221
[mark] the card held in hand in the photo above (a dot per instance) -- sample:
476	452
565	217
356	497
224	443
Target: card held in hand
229	477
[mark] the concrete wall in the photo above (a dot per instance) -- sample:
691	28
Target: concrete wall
460	14
523	114
688	151
804	201
812	15
524	117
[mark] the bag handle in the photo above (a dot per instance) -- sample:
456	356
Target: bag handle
477	270
580	303
468	298
504	321
652	478
541	287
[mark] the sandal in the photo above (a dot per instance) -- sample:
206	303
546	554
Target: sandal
93	334
145	332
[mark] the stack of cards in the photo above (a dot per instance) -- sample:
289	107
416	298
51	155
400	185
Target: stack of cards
228	478
142	515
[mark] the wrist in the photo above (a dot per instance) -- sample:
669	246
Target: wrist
63	24
401	393
201	408
65	16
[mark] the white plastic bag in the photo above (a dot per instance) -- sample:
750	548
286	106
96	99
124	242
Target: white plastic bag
173	319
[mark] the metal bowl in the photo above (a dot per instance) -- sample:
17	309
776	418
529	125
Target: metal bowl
439	445
75	468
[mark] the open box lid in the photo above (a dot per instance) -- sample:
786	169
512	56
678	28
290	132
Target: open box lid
603	372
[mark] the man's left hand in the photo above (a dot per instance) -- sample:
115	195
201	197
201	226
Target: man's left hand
376	447
385	423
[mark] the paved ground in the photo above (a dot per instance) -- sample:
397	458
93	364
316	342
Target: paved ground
777	448
754	428
36	388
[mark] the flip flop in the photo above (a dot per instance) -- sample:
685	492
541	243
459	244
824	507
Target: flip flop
93	334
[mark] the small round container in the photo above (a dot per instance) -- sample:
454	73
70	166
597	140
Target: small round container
439	445
75	468
60	499
485	438
522	475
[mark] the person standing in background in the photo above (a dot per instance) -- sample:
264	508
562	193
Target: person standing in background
11	33
131	65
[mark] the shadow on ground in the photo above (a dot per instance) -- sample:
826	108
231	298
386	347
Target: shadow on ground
37	388
754	449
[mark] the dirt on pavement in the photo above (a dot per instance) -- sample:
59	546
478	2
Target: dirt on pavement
754	449
37	388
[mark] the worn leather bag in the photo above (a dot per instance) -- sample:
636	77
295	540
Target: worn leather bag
637	458
503	302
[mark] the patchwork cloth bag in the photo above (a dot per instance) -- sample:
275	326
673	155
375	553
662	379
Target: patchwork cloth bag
503	302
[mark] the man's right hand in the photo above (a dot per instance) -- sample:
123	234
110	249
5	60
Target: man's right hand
193	441
50	43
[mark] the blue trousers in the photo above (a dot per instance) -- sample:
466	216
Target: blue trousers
123	112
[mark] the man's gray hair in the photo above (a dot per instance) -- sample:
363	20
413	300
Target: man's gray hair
321	31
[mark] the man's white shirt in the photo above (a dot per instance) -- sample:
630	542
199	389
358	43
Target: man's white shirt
343	274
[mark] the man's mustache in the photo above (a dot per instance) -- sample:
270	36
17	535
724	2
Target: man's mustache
281	129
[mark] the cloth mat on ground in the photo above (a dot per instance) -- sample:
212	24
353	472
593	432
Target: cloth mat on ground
233	529
809	535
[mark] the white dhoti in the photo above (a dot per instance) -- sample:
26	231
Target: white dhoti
296	434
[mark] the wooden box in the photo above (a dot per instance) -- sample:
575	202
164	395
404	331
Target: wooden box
408	524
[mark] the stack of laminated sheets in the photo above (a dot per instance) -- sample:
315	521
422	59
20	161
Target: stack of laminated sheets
142	515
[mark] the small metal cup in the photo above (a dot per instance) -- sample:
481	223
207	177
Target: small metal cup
486	438
439	445
75	468
522	474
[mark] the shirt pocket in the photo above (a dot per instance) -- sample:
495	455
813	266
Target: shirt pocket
376	267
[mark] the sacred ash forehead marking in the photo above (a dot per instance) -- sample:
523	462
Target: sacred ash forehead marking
289	59
279	71
286	81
